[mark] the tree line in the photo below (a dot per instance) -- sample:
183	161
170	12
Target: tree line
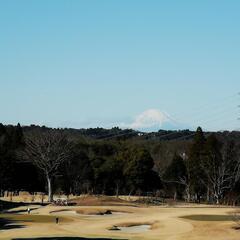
209	171
49	159
117	161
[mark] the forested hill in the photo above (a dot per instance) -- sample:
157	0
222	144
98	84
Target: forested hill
117	133
162	145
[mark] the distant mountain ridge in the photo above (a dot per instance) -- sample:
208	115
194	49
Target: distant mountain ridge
118	133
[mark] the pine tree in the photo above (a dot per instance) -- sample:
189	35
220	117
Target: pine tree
196	156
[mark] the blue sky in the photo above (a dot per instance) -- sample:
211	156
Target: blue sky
143	64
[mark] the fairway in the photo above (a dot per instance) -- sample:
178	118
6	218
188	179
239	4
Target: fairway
32	218
126	222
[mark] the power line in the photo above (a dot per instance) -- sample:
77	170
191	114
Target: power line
218	102
214	119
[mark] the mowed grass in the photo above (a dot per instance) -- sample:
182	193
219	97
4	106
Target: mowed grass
33	218
65	238
209	218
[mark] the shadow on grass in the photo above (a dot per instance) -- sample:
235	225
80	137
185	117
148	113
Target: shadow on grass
11	221
6	224
209	218
65	238
33	218
5	205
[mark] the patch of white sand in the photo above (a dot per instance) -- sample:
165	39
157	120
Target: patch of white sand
135	229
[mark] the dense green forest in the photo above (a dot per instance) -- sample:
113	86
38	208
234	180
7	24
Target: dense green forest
186	165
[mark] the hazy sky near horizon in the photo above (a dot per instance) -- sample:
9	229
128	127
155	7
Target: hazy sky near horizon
132	63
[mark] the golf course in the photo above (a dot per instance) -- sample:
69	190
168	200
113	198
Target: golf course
119	220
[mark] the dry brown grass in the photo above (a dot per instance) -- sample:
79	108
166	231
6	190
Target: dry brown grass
165	221
236	217
91	200
26	197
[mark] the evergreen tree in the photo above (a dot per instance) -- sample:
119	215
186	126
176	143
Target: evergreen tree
138	170
196	156
175	174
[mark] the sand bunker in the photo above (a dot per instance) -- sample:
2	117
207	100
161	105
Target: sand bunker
88	212
136	229
132	228
99	211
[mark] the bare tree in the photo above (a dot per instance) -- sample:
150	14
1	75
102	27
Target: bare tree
222	173
185	182
178	173
219	178
47	151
